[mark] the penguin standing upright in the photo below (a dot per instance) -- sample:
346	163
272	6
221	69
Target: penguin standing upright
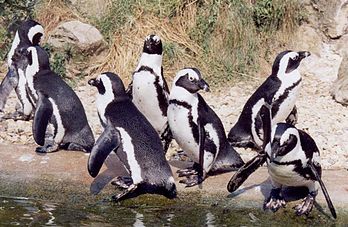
29	33
149	89
198	130
280	90
131	136
55	102
293	159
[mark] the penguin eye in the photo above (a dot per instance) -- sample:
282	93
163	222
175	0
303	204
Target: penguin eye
295	58
191	78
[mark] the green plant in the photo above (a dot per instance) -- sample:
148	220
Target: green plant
120	12
12	12
273	14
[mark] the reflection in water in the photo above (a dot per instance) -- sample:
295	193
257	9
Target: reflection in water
210	220
138	219
24	212
49	208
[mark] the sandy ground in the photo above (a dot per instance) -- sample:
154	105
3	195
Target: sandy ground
64	173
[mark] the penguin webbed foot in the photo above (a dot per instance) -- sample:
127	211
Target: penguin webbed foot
306	206
186	172
76	147
192	180
47	148
126	194
122	182
16	116
275	201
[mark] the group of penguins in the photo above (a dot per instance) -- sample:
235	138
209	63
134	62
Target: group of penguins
140	122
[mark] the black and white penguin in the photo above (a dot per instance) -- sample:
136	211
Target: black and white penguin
149	89
198	130
55	102
280	90
293	159
29	33
130	135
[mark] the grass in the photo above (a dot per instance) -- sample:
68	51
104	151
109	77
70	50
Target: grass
225	39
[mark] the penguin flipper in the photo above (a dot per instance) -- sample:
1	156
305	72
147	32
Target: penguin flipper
245	171
201	133
7	85
43	114
323	188
108	141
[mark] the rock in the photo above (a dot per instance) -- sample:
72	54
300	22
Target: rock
339	90
324	65
333	17
82	36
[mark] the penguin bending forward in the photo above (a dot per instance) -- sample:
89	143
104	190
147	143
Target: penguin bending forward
293	159
280	90
56	104
198	130
130	135
149	89
29	33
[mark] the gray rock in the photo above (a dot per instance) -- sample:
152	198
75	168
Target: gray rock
76	34
339	90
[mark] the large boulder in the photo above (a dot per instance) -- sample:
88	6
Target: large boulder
78	35
340	88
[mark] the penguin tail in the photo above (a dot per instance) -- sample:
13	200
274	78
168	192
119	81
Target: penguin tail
237	137
228	160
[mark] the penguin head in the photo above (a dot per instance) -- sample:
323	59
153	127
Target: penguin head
31	32
109	86
168	189
288	61
31	60
153	45
285	138
191	80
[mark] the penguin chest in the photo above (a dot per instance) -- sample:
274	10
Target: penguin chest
145	98
285	174
181	121
285	103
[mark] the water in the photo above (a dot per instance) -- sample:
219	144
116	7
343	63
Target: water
17	211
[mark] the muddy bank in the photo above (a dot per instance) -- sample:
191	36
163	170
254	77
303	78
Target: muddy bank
62	176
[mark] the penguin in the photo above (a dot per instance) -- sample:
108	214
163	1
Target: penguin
293	159
149	89
30	33
198	130
56	104
280	90
130	135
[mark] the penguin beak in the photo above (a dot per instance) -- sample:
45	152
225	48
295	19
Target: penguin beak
304	54
274	151
203	85
93	82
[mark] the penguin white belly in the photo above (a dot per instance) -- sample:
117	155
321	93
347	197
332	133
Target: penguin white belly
145	98
285	175
27	107
287	105
181	130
